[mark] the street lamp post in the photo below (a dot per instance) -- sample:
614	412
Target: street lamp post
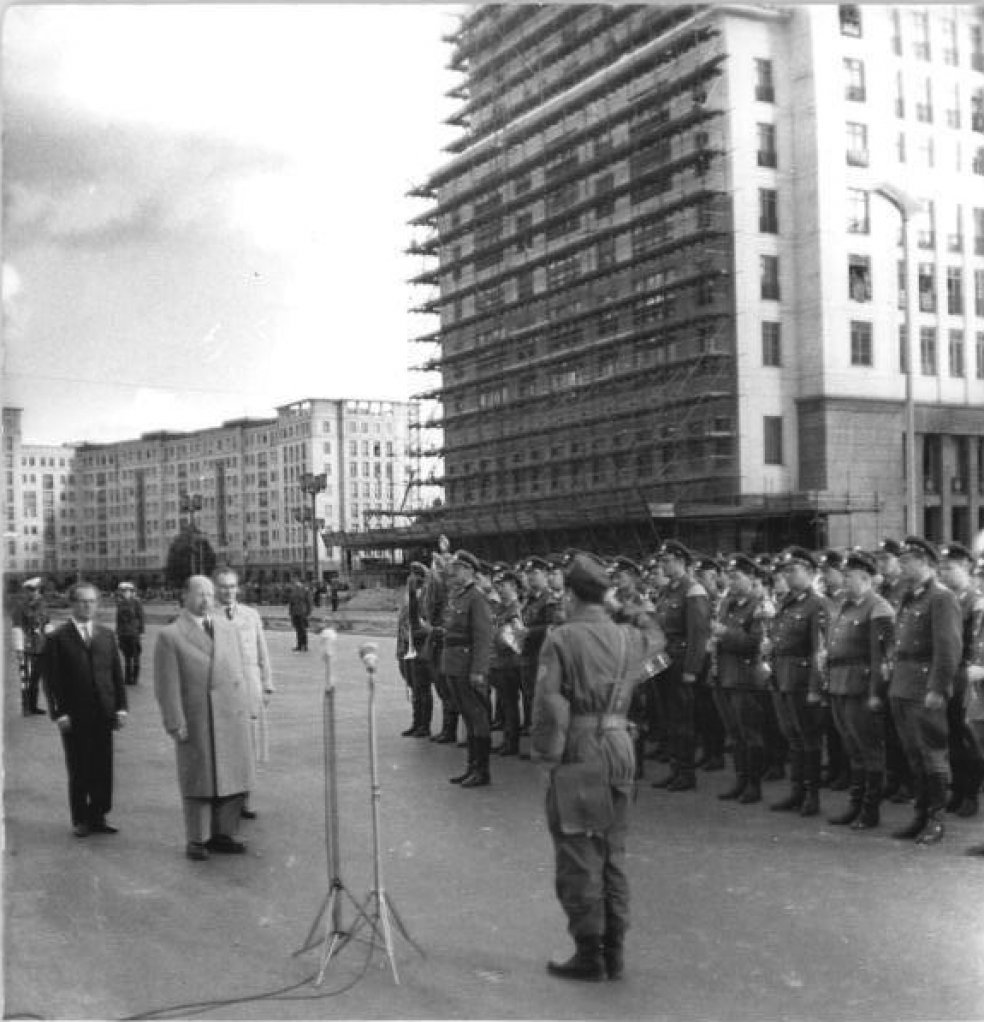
907	207
312	485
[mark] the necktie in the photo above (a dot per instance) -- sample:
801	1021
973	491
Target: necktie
209	628
86	637
229	613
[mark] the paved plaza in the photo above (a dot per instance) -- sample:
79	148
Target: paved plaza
739	913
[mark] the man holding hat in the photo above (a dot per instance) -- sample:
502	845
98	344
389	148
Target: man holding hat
467	646
966	761
859	643
927	658
129	629
797	636
684	614
588	668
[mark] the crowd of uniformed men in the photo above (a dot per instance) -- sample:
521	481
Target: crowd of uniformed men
860	671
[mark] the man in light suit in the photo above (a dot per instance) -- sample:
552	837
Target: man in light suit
87	700
201	688
256	658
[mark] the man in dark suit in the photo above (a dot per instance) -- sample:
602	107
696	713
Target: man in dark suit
87	700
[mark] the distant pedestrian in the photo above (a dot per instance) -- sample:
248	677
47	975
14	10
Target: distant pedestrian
256	660
299	607
199	681
129	630
87	700
31	624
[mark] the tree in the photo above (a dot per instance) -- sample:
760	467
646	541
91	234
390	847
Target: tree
190	553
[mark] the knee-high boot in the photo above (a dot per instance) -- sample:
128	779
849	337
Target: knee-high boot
936	805
741	776
855	798
480	775
870	815
755	759
811	783
470	765
920	811
794	800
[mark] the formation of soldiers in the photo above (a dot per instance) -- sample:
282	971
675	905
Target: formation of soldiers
861	671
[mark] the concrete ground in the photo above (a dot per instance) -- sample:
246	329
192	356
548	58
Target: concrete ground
738	913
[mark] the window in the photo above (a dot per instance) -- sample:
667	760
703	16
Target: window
977	47
899	94
605	253
858	221
979	294
927	287
979	346
979	232
954	234
927	350
859	278
978	162
854	90
900	147
953	110
954	290
764	86
903	350
850	20
771	344
957	354
768	216
977	111
857	144
948	31
772	439
920	34
766	156
860	343
927	151
605	200
769	277
926	225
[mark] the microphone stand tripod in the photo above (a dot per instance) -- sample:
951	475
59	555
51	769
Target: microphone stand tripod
335	936
377	908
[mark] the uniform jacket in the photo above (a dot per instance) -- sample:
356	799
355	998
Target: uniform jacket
975	690
31	618
299	603
971	617
797	636
201	685
507	627
927	642
684	614
859	643
739	646
539	613
129	618
83	682
579	663
894	590
467	632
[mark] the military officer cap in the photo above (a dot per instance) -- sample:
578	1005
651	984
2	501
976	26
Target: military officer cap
922	548
506	575
796	555
742	563
568	555
466	558
416	568
587	576
32	583
627	564
892	547
832	559
486	568
499	566
533	563
125	586
860	560
704	562
674	548
956	552
556	562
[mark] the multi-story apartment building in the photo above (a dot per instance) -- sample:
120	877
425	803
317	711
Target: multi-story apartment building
246	483
672	298
39	506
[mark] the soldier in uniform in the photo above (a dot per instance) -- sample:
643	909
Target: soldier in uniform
414	662
684	614
927	658
129	630
708	724
539	613
966	761
31	625
975	685
737	634
505	665
467	646
837	773
299	608
797	636
588	668
434	601
859	643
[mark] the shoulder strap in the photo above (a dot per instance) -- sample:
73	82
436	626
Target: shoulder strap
623	663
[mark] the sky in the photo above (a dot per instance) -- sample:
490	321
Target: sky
205	209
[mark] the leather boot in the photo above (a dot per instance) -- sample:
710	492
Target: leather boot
470	767
855	797
586	963
811	783
794	800
934	830
670	778
449	732
755	757
870	815
136	672
613	954
956	795
741	777
480	776
920	813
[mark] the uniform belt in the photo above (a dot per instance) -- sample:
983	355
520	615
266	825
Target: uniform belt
850	661
602	721
451	641
911	658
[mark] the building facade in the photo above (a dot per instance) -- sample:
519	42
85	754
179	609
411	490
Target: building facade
672	298
244	485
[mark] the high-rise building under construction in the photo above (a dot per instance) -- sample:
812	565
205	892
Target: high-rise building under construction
675	285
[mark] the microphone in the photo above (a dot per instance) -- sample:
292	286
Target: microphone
367	651
328	639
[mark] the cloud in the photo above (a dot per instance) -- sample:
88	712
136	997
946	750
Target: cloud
72	180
